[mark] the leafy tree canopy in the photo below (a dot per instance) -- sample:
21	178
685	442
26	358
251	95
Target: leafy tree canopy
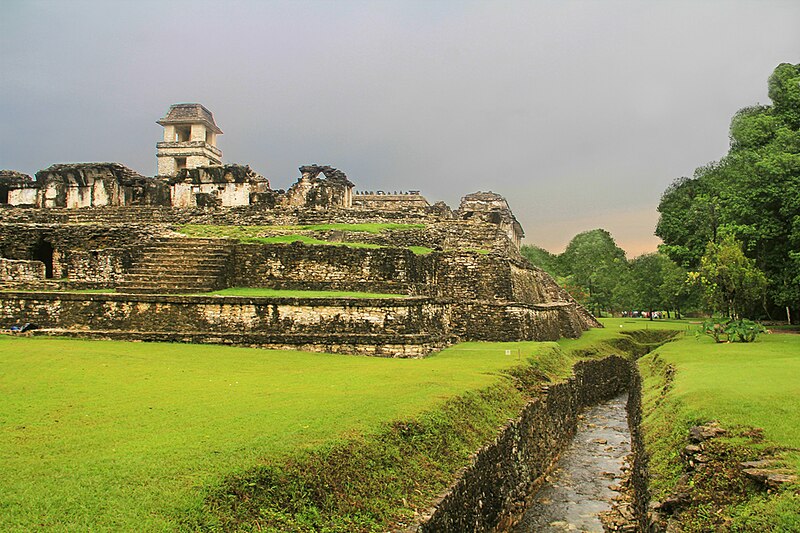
752	194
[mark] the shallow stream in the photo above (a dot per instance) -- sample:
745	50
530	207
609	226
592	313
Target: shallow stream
579	486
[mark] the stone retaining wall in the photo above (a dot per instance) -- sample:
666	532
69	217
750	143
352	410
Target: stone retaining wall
225	314
322	324
491	493
12	270
502	321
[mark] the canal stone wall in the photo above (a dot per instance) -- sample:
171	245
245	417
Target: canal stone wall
492	492
639	471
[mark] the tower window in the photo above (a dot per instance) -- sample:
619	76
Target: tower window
180	163
183	133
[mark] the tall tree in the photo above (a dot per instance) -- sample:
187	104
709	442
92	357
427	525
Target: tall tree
753	194
593	260
733	284
540	257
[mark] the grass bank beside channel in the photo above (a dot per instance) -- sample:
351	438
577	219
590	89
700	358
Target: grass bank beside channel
114	436
753	391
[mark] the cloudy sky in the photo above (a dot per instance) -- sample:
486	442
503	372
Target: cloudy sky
579	112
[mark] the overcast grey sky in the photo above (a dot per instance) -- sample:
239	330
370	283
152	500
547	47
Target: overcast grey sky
579	112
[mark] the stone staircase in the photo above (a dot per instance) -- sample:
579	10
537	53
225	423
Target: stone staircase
179	265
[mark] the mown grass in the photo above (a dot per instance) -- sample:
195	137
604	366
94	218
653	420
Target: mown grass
102	435
281	293
128	436
743	386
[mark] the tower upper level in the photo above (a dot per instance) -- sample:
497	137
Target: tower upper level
190	139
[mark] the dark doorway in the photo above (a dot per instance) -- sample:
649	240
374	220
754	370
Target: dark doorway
44	253
3	194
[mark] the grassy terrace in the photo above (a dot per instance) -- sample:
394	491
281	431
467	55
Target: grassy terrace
287	234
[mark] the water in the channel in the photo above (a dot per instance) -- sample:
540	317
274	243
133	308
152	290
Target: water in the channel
579	486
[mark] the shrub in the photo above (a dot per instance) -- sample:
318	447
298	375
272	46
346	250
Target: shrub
732	330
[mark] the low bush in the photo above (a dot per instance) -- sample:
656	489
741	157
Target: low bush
732	330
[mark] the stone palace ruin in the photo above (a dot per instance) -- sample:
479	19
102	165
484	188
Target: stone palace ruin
98	250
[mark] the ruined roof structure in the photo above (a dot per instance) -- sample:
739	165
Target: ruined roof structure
189	114
81	173
321	186
156	246
12	176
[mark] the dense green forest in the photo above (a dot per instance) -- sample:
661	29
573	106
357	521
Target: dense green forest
731	232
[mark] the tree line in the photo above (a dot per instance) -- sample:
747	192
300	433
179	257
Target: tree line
597	274
731	233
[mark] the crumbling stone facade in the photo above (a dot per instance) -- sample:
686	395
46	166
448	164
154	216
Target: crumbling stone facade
13	270
16	188
94	184
215	186
321	187
492	207
390	201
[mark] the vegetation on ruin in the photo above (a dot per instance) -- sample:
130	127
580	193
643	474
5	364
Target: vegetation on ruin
286	234
280	293
366	227
135	436
244	232
752	391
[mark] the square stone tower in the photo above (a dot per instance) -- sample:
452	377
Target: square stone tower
190	139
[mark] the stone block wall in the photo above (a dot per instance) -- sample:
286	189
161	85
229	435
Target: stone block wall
342	325
468	275
300	266
12	270
88	255
501	321
215	314
322	322
104	267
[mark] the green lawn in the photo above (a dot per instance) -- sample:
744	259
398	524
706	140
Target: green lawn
130	436
101	435
755	385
